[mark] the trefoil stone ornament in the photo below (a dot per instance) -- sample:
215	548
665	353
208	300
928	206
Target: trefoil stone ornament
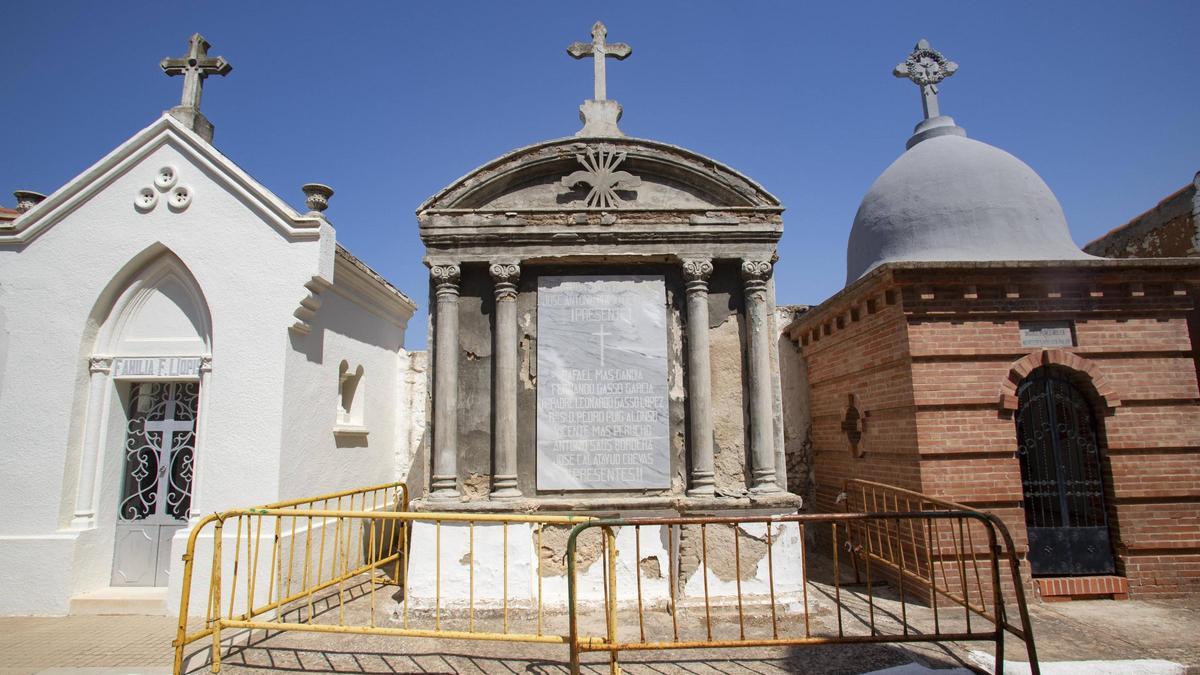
602	178
166	179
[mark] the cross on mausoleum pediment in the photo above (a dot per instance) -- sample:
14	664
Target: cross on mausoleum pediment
926	67
195	67
599	50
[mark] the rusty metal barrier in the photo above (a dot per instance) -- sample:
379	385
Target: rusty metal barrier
300	565
954	564
781	604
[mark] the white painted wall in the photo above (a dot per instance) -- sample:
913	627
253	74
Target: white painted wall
268	407
313	459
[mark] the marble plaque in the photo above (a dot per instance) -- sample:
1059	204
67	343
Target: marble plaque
1047	334
602	383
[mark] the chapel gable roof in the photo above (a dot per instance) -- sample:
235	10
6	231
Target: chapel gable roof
164	130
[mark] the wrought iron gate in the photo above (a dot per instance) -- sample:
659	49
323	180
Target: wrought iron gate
1061	478
156	487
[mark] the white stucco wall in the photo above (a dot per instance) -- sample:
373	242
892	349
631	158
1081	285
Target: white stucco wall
313	459
256	443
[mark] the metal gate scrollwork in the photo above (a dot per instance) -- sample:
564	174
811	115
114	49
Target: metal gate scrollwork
1061	478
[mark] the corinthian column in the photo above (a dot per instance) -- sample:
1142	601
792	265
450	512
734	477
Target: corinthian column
444	483
504	397
696	272
755	274
100	368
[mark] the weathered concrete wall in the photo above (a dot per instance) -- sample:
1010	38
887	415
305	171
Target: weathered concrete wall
797	414
730	379
1166	231
476	305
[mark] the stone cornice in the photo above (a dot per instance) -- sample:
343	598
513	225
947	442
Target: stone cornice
355	281
1010	288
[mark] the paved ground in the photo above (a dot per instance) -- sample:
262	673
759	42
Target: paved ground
1065	632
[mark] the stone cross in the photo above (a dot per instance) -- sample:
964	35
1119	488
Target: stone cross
599	50
926	67
194	67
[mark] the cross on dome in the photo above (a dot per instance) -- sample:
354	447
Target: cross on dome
599	50
926	67
194	67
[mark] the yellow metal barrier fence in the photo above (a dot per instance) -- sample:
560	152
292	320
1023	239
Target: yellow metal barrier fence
762	603
303	563
932	559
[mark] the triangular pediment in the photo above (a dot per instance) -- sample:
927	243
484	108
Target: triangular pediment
164	131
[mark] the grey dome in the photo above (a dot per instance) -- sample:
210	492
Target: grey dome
952	198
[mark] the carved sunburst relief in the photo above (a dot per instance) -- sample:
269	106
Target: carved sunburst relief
602	178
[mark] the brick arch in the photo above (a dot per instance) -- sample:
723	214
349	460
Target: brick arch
1082	369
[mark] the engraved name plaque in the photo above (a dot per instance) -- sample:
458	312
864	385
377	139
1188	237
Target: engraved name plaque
1047	334
602	420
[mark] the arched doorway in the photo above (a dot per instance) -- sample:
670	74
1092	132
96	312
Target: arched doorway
155	344
1061	478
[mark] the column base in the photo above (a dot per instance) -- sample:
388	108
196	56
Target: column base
765	484
444	488
703	484
505	487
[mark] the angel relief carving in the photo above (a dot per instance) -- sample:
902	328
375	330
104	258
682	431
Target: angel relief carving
602	179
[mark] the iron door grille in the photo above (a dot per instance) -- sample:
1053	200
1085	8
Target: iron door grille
1061	478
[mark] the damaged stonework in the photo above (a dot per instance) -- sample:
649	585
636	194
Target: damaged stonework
476	486
1169	230
726	558
728	382
552	549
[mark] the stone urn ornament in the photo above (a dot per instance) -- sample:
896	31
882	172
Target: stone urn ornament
316	197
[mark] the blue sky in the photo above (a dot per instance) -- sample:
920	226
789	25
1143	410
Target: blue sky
390	102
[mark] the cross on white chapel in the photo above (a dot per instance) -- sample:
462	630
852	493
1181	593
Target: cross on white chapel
599	50
926	67
168	426
194	67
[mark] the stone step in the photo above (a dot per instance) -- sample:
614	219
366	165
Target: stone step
149	601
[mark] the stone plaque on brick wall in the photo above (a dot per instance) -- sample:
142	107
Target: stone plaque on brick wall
602	383
1047	334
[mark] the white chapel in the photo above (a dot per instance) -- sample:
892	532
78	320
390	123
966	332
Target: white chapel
190	343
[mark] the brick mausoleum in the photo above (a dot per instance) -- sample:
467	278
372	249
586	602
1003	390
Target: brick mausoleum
977	355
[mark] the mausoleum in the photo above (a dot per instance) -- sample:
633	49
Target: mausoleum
976	354
603	333
191	343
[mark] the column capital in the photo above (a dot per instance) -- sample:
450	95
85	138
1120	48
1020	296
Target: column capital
696	272
446	278
100	364
505	275
755	274
206	364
